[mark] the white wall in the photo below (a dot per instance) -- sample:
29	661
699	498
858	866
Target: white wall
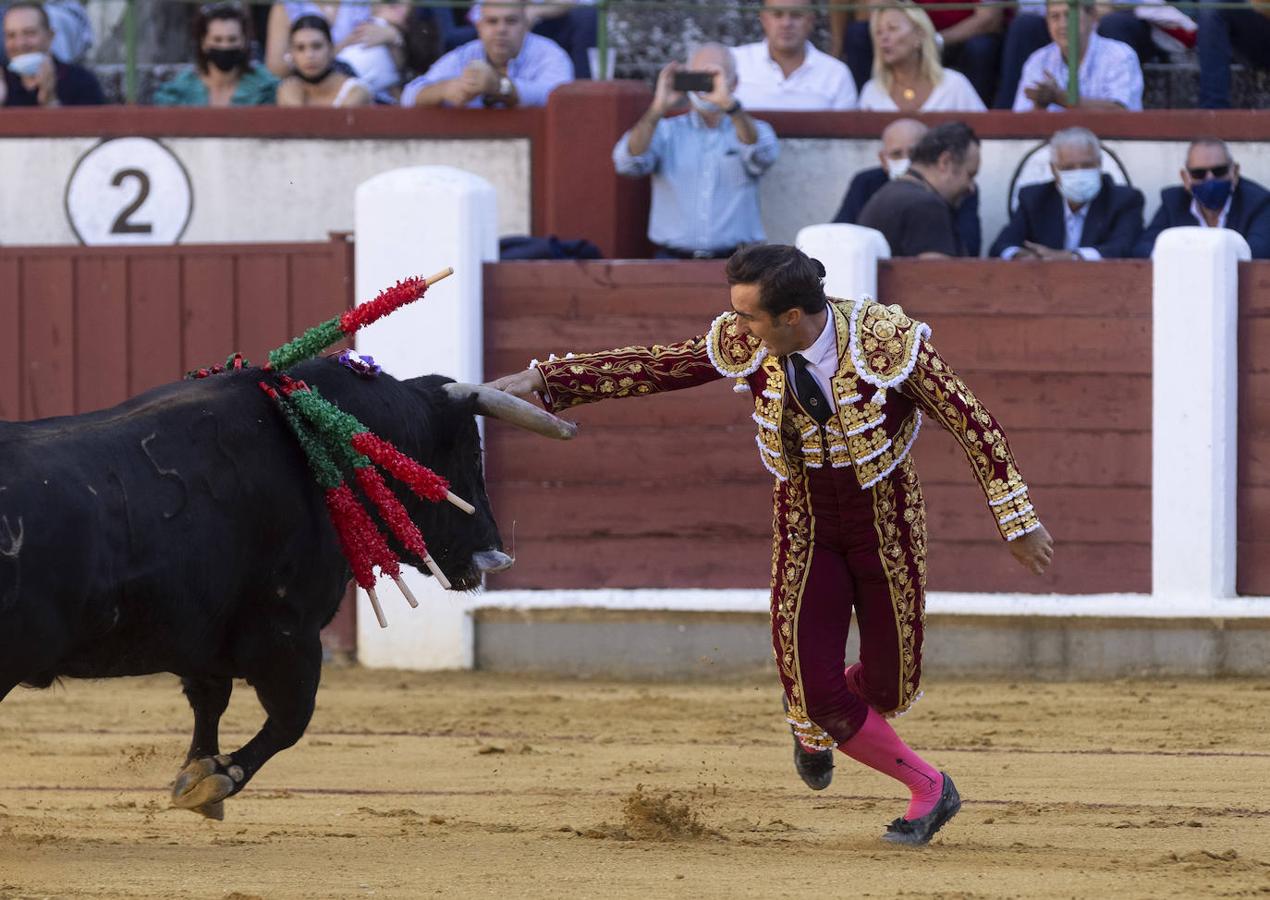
258	190
294	189
808	182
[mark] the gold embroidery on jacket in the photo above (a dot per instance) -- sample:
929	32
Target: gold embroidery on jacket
625	372
946	396
732	352
796	530
899	562
883	342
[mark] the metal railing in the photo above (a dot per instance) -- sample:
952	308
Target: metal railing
605	7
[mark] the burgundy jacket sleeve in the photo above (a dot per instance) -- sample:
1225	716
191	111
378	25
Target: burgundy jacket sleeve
628	372
939	391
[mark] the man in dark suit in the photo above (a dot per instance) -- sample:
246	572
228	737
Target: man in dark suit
1212	195
898	140
1081	214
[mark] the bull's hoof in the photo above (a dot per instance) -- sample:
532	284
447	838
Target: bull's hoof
212	810
204	783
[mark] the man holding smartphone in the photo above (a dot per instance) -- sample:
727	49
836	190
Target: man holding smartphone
705	165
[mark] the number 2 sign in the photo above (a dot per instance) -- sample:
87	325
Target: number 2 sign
129	191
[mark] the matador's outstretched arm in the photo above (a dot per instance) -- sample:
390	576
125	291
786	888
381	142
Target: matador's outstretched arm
627	372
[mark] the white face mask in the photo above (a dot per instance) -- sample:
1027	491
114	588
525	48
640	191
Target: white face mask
1079	185
701	104
896	167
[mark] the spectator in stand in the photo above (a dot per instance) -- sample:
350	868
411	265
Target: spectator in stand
916	212
506	66
1081	214
1246	29
223	74
705	165
1029	32
970	41
898	140
71	27
34	76
907	75
369	39
784	71
1213	195
314	80
572	24
1110	76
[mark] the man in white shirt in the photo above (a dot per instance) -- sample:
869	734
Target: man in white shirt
785	71
1109	75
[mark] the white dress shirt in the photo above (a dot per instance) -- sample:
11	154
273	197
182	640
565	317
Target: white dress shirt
822	360
821	82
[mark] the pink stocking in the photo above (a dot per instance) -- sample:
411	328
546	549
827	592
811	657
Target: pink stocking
878	746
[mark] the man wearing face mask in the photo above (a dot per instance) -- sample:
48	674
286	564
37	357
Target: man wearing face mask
33	76
898	140
1213	195
705	165
1081	214
916	212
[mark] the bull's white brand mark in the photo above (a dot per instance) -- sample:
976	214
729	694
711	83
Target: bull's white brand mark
14	538
172	474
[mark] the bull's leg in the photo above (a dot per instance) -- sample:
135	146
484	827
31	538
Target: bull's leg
286	686
208	698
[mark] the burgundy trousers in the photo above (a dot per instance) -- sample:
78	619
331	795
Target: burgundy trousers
865	552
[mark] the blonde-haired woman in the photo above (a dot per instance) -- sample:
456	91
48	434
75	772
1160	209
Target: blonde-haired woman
907	74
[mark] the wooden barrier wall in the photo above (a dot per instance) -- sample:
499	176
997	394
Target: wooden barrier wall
82	328
1253	577
668	491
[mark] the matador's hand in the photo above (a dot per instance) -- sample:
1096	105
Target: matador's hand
1034	551
526	385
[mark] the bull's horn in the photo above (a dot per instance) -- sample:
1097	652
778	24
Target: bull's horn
502	405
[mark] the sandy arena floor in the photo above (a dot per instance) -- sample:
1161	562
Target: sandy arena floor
475	785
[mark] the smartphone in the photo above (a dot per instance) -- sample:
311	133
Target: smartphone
701	82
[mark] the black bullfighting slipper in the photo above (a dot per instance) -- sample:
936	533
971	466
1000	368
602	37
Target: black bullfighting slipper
920	831
814	767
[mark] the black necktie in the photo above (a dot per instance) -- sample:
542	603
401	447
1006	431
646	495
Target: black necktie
809	393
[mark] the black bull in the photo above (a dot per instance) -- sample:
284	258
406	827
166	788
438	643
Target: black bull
183	532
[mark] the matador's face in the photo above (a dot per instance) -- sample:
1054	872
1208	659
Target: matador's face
777	333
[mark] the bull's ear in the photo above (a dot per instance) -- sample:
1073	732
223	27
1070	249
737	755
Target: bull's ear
501	405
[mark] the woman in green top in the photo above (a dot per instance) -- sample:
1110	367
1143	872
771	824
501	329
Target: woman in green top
223	75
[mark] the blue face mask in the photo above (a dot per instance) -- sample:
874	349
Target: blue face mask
1212	193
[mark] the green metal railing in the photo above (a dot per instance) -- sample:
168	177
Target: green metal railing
604	7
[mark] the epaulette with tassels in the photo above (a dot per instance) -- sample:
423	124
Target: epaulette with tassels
337	446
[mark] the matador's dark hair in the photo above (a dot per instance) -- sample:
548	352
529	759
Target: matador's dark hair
786	277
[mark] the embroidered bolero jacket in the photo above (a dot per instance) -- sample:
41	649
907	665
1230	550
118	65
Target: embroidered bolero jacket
888	376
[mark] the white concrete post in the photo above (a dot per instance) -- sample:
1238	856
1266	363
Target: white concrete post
416	222
850	254
1194	413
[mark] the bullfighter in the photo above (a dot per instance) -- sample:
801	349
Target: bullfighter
840	391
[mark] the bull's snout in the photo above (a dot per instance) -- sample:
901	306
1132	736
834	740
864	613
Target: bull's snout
491	561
